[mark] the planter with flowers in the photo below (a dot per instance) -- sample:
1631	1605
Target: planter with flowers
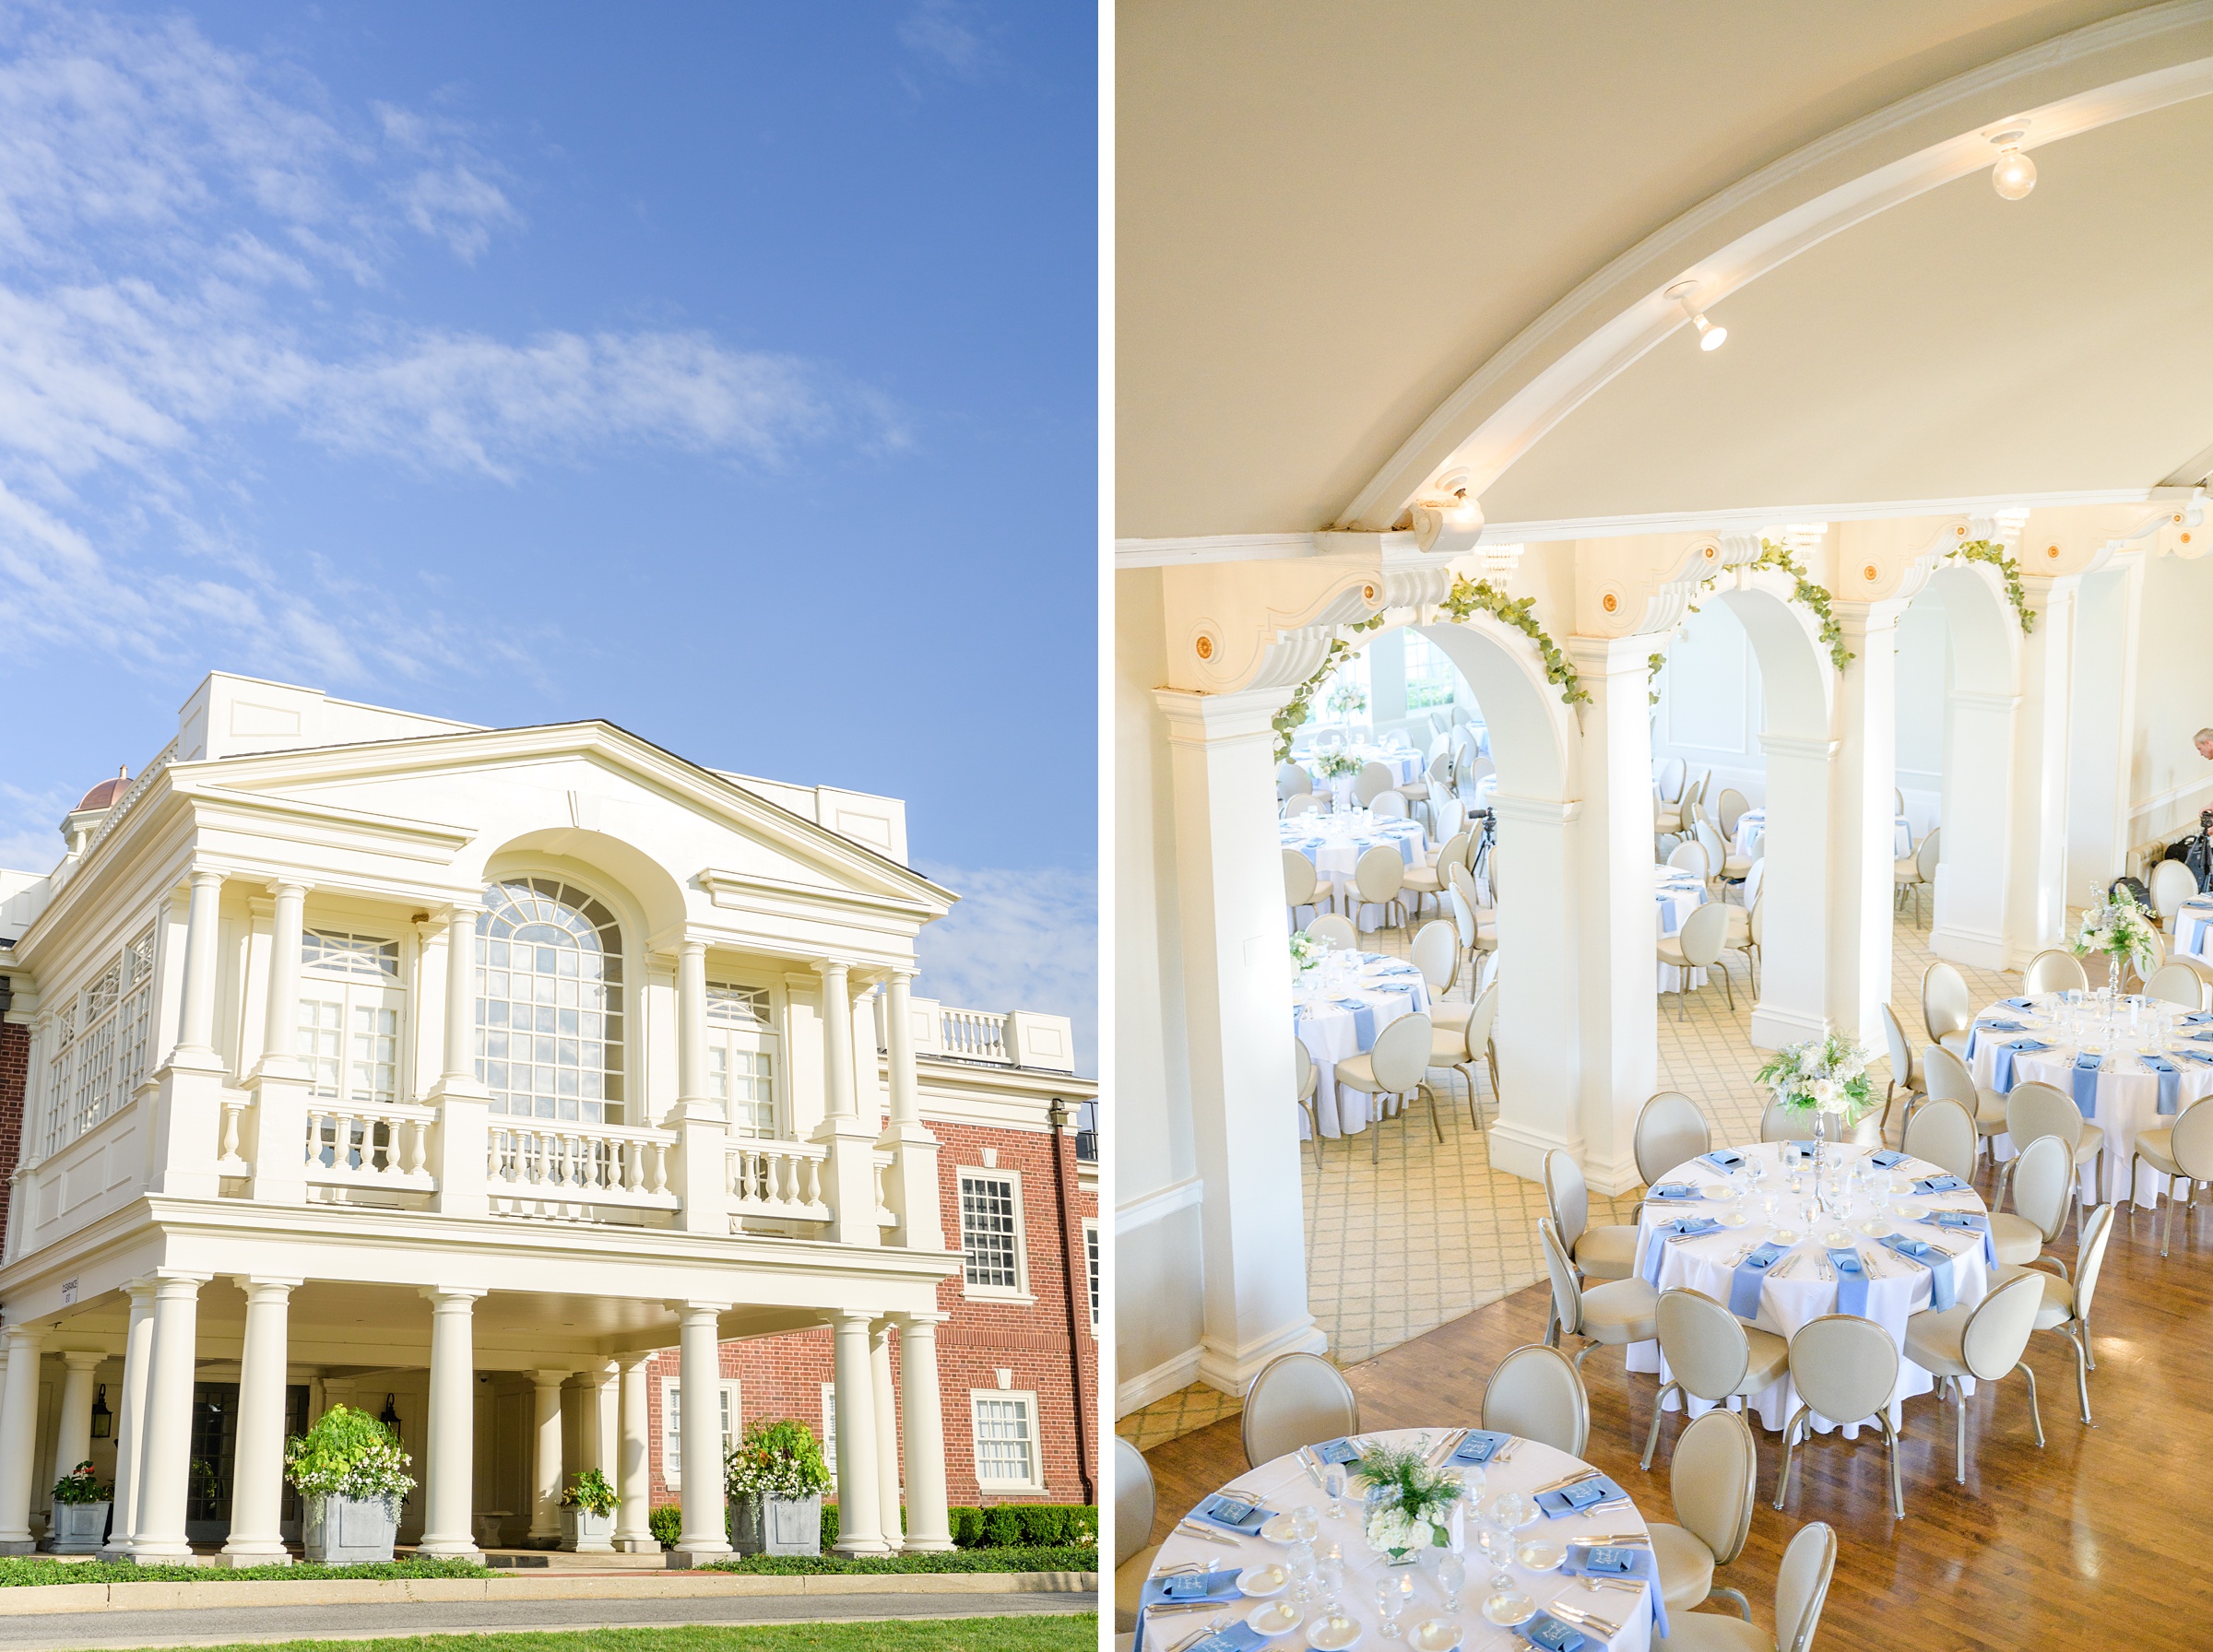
81	1501
776	1478
1408	1506
350	1474
587	1515
1825	1081
2121	929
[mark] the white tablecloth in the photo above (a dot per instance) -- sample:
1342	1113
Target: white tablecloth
1897	1289
1754	821
1680	894
1387	988
2194	930
1335	844
2127	1096
1284	1484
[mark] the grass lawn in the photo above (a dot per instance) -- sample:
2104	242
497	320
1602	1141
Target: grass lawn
1077	1631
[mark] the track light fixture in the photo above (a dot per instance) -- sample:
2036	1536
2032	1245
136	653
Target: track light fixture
1711	336
2015	174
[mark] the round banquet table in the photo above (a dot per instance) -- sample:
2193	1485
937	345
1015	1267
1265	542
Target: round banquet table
1335	844
1334	1025
1680	893
2194	930
2125	1099
1284	1484
1895	1287
1754	821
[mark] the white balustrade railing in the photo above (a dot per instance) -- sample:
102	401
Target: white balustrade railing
364	1145
973	1034
1003	1038
781	1179
539	1166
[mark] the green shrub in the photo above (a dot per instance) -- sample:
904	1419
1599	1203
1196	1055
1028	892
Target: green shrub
590	1492
1021	1524
667	1523
967	1527
1065	1558
829	1527
1002	1528
349	1453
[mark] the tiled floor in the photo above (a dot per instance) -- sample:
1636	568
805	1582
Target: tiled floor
1396	1249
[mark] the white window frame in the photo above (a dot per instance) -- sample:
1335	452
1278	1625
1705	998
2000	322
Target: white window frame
98	1047
976	1398
760	1037
1091	1268
354	990
672	1440
830	1431
1020	1291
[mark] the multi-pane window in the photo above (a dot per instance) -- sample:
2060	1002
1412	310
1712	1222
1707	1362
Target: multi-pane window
100	1044
672	1425
830	1430
991	1231
550	1002
741	1062
1430	678
1091	1268
337	953
1006	1439
350	1002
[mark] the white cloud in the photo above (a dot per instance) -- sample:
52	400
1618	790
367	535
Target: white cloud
948	33
1018	940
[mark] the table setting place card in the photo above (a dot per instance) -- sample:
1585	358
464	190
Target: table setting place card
1233	1514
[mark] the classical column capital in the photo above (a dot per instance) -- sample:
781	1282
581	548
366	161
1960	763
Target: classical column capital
691	946
629	1359
551	1377
259	1287
177	1285
691	1311
83	1359
922	1325
294	889
206	878
461	912
850	1318
452	1299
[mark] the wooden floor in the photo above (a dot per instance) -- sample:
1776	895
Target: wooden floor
2102	1539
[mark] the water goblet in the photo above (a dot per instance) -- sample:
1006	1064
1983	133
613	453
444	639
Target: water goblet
1306	1521
1332	1485
1300	1560
1329	1573
1391	1600
1452	1577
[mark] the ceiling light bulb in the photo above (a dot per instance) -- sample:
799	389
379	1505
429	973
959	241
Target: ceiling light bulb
1710	337
1464	513
2015	174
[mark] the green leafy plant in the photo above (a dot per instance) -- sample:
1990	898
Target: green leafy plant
1471	596
776	1459
82	1485
1293	717
1986	550
348	1454
1654	662
590	1492
1809	595
667	1523
1417	1505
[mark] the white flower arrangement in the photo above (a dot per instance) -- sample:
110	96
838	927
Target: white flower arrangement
1822	1075
1411	1506
1307	950
2119	928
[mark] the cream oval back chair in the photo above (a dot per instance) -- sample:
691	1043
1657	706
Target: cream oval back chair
1537	1394
2170	884
1717	852
1296	1399
1692	857
1949	1080
1309	1080
1731	809
1372	781
1397	1064
1700	945
1802	1588
1304	803
1984	1341
1710	1480
2054	971
2185	1150
1300	884
1610	1316
2176	983
1133	1548
1389	806
1672	776
1379	876
1670	1130
1846	1368
1905	1070
1436	952
1943	1132
1779	1123
1711	1354
1945	1006
1475	1046
1292	781
2044	1186
2065	1307
1461	883
1607	1253
1338	931
1917	871
1429	880
2035	1108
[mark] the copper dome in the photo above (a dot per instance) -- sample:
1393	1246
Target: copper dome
105	793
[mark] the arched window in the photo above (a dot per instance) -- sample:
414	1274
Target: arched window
550	1002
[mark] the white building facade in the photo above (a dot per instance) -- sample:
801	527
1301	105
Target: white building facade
378	1058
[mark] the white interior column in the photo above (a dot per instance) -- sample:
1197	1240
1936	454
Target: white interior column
195	1021
163	1478
130	1417
605	1450
2037	901
859	1507
2101	726
1793	891
18	1436
546	1487
706	1509
73	1427
1237	1016
1861	879
450	1440
922	1443
258	1482
1615	927
633	1474
1967	917
887	1430
1540	1031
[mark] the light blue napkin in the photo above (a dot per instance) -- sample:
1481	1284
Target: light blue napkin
1221	1585
1967	1221
1548	1631
2002	1063
2019	1003
1677	1190
1574	1499
1852	1281
2170	1080
1655	1248
2085	1080
1233	1514
1336	1451
1887	1158
1751	1273
2206	1037
1928	1184
2196	1016
2197	1056
1237	1637
1943	1293
1723	1158
1480	1447
1589	1560
1364	1018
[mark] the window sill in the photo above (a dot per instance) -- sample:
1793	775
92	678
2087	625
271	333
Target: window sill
1010	1487
1012	1299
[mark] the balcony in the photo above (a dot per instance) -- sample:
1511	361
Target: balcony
988	1037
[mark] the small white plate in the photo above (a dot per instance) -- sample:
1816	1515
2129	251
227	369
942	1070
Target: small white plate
1435	1635
1785	1236
1278	1617
1733	1218
1278	1530
1323	1638
1912	1212
1260	1582
1537	1555
1837	1236
1874	1227
1714	1191
1519	1610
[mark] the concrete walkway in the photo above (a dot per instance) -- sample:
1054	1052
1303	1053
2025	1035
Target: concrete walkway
222	1625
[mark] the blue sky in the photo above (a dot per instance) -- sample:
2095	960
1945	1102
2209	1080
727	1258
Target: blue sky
726	370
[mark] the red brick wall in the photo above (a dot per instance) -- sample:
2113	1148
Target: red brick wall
782	1376
15	1075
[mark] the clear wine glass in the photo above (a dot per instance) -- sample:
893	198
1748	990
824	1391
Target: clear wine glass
1332	1485
1452	1577
1330	1572
1299	1558
1390	1598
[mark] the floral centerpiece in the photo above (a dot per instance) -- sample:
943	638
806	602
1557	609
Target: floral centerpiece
1345	701
776	1478
1337	764
1307	950
2120	928
1409	1506
1824	1079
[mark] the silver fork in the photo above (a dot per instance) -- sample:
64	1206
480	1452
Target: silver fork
1585	1620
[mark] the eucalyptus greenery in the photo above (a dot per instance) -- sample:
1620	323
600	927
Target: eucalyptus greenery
1470	596
1415	1513
1656	662
1813	595
1293	717
1989	551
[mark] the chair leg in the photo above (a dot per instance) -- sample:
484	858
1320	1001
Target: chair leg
1728	986
2036	1414
1652	1440
1898	1486
1435	1128
1789	1435
1959	1431
1744	1606
2082	1375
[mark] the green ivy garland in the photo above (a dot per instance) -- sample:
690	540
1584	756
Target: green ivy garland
1469	596
1813	597
1656	662
1987	550
1294	715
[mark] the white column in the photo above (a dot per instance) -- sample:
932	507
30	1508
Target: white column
859	1507
459	1146
1614	924
850	1172
258	1481
914	1178
922	1445
280	1021
837	1037
699	1375
73	1428
18	1436
460	997
449	1445
2101	725
545	1503
1861	884
159	1537
1793	892
195	1021
130	1418
887	1430
691	1023
279	1079
2037	902
604	1451
1539	1029
1236	989
1967	917
633	1474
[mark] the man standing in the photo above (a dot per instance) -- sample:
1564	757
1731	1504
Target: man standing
2205	744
